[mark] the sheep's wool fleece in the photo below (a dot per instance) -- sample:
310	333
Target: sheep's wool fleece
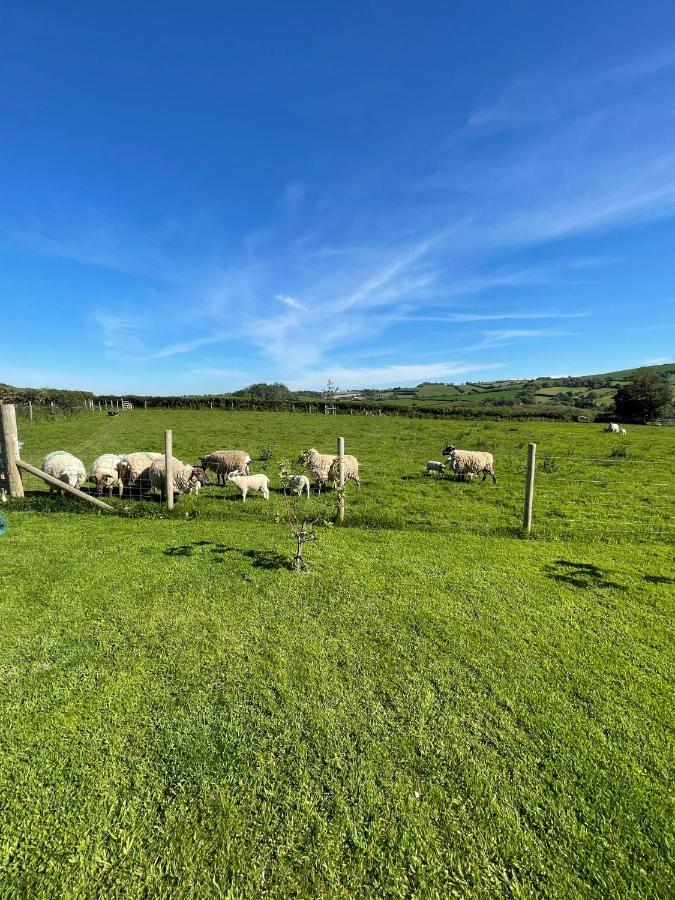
60	462
471	460
181	473
106	464
137	464
226	460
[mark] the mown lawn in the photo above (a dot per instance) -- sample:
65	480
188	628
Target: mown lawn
437	708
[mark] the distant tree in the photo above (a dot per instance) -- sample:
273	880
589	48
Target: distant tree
263	391
643	398
330	391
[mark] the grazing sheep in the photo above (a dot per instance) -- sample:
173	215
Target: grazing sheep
66	467
466	462
104	473
296	484
246	483
222	462
186	478
622	431
134	468
434	468
324	467
613	428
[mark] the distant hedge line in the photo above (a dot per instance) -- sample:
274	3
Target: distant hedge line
359	407
61	398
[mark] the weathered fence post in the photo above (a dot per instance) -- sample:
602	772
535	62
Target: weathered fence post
99	406
168	470
9	447
341	479
30	410
529	486
145	404
51	403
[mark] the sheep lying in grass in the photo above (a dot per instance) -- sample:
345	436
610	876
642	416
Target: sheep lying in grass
222	462
134	468
250	483
186	478
66	467
467	462
323	467
104	472
433	467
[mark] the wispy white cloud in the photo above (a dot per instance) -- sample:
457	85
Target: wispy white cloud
289	301
190	346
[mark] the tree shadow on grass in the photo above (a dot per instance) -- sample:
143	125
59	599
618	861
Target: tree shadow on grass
580	575
260	559
659	579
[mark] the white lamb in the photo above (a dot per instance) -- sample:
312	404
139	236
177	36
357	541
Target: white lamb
614	428
622	431
104	472
296	484
434	467
250	483
66	467
467	462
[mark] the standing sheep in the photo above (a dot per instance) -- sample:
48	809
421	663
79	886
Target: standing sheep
324	467
66	467
222	462
134	468
467	462
252	483
186	478
104	472
297	484
434	468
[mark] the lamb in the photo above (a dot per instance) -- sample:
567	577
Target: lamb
104	473
434	468
614	428
222	462
134	468
622	431
296	484
66	467
324	467
246	483
186	478
466	462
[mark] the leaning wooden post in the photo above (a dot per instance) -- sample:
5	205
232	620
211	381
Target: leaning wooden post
529	487
168	467
9	445
341	479
60	485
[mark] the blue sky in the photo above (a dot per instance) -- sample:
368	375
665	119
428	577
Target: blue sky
198	196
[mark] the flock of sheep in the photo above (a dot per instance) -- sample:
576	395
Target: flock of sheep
143	470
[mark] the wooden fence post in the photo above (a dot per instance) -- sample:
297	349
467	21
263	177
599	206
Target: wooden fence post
30	410
9	447
341	479
168	470
60	485
529	486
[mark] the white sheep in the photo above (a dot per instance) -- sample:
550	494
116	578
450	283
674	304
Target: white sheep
622	431
324	467
252	483
66	467
222	462
134	468
296	484
186	478
433	467
104	472
614	428
467	462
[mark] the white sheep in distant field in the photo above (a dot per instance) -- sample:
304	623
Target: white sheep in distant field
622	431
186	478
104	472
250	483
467	462
433	467
222	462
614	428
66	467
323	467
296	484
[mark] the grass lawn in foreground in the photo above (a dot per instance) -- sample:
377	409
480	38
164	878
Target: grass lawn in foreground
432	710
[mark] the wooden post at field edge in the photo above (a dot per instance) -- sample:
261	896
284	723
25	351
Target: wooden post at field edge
9	445
168	467
341	479
529	486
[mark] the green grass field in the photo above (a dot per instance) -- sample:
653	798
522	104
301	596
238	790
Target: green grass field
438	708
